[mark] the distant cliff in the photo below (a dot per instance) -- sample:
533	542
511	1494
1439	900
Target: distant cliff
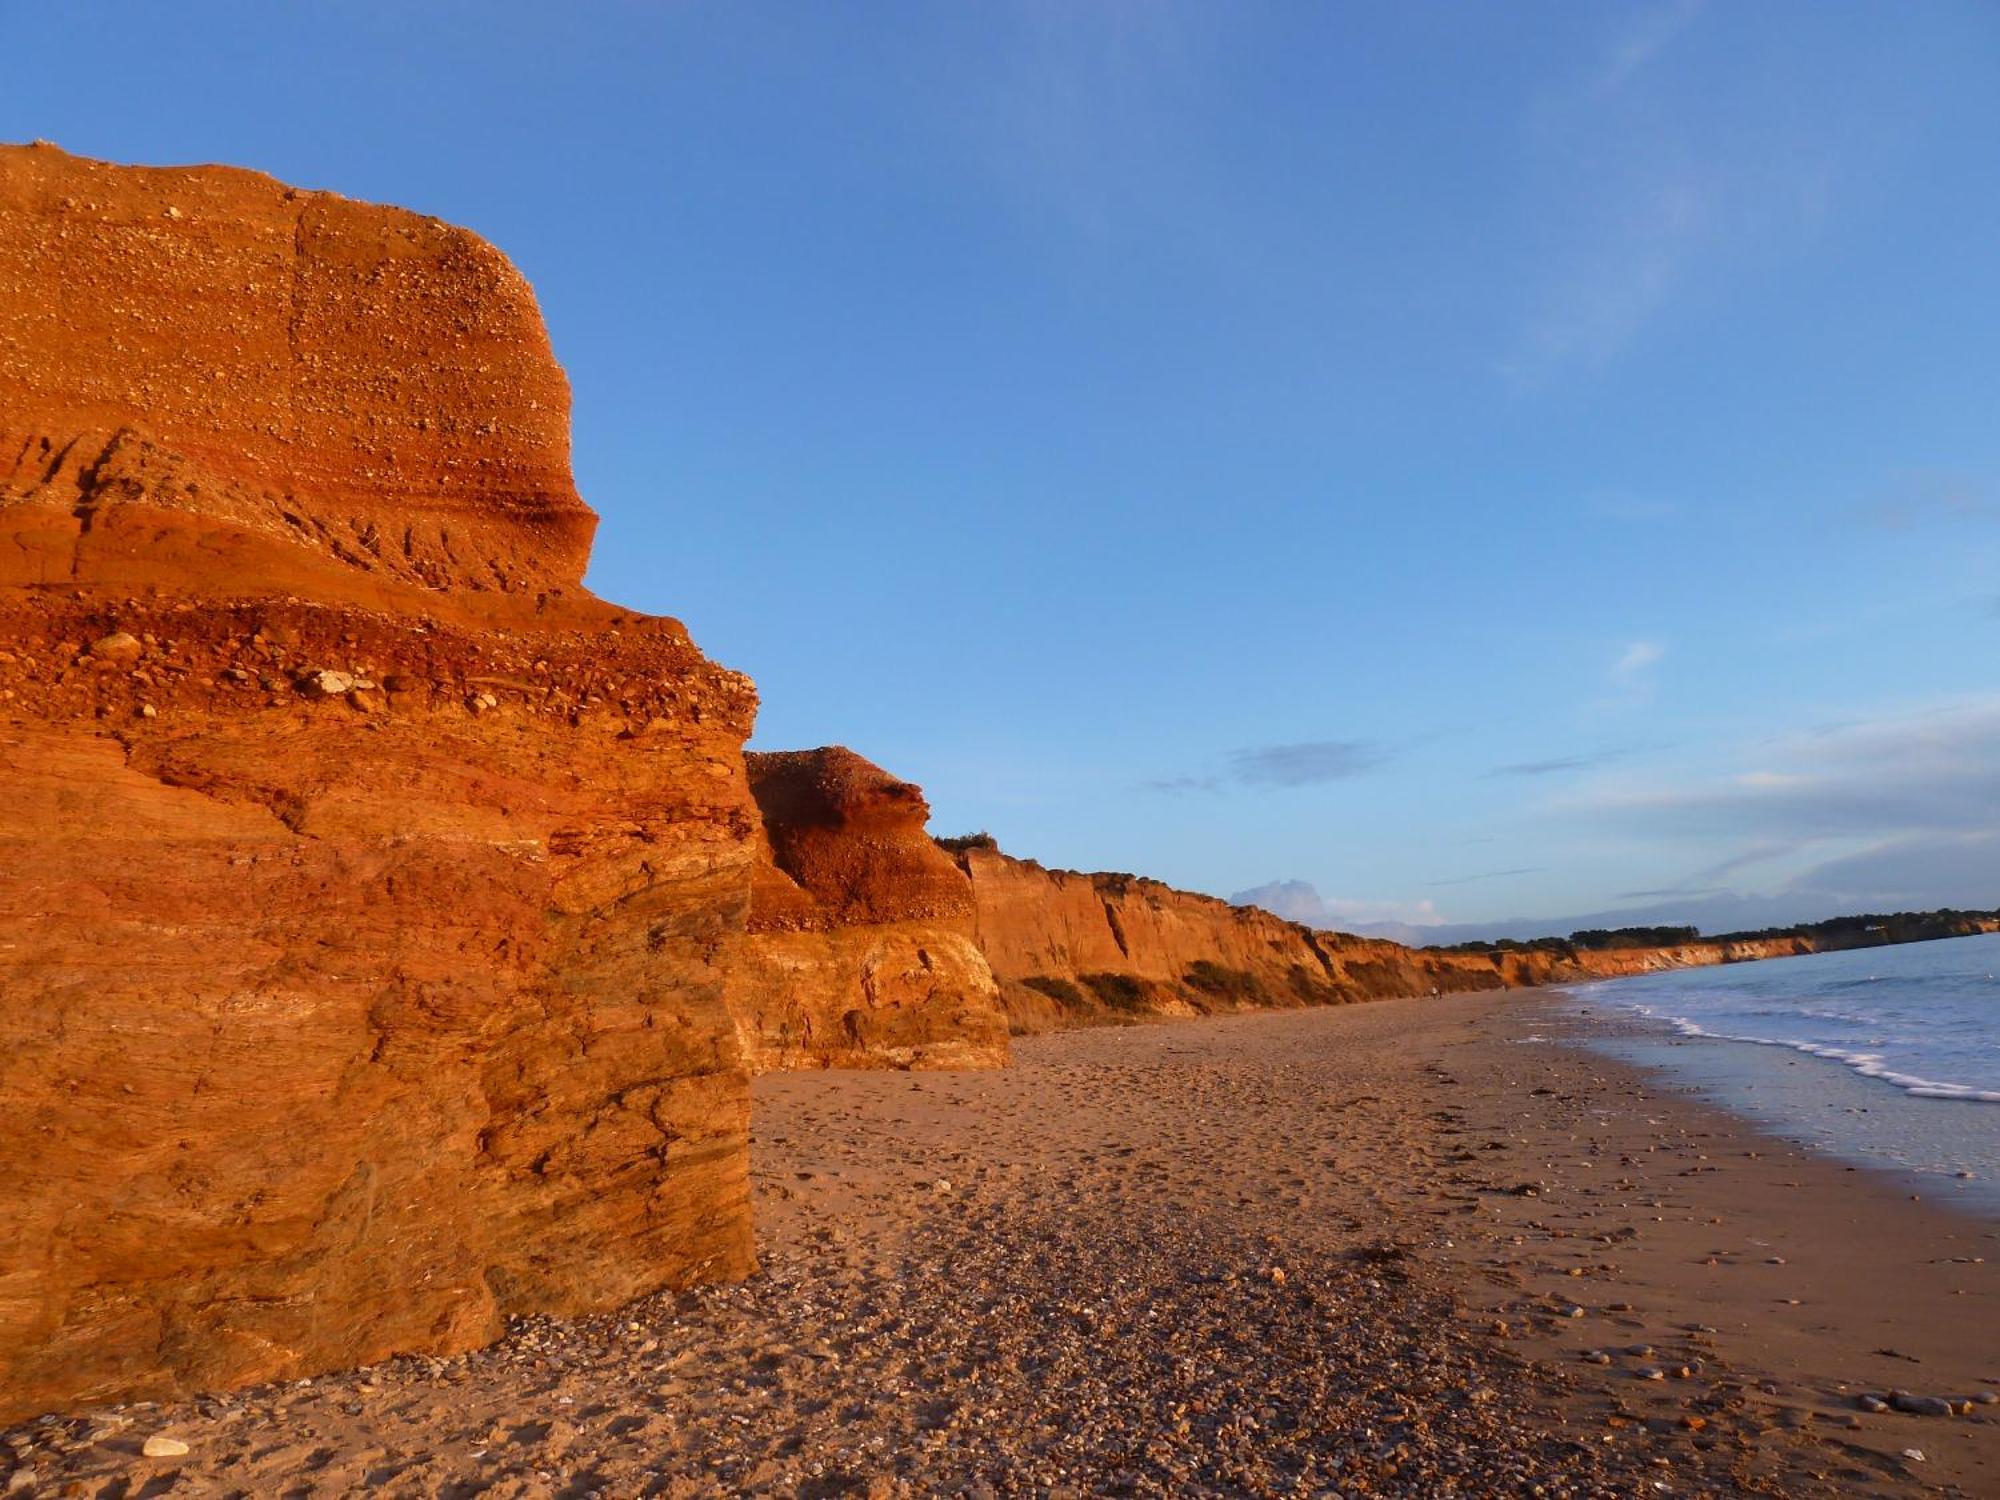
1078	949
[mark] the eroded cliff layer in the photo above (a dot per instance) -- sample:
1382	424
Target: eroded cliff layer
859	949
203	367
362	880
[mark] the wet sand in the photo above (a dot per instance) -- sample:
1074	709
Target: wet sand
1353	1251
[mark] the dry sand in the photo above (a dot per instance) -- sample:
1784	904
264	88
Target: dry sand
1319	1252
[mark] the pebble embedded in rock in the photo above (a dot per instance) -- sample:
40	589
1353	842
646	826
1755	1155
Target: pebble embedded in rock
118	647
328	684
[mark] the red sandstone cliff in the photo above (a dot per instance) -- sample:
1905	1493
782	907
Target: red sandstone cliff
361	878
859	947
1070	948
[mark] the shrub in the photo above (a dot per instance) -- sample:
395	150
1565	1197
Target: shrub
965	841
1214	980
1065	994
1117	991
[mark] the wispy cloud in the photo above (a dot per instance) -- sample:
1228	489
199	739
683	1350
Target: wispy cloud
1629	678
1306	763
1653	193
1557	765
1931	497
1614	289
1636	658
1644	38
1931	772
1488	875
1182	786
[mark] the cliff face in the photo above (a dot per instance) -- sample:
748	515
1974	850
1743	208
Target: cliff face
203	368
859	947
361	879
1069	948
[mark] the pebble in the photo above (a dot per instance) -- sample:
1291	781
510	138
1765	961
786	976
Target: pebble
329	684
1921	1406
164	1447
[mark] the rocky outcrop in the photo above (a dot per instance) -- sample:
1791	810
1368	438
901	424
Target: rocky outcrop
205	369
859	948
362	879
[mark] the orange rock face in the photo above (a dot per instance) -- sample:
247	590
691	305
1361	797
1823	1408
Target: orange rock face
362	880
202	367
859	951
1071	948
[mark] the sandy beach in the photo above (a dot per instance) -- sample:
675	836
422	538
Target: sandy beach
1396	1248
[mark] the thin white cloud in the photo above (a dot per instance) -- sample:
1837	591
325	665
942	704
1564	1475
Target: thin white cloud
1644	38
1930	772
1652	194
1636	658
1931	497
1612	288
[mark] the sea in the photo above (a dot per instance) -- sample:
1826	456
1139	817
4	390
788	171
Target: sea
1885	1057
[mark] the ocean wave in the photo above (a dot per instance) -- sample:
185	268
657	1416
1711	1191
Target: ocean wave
1867	1064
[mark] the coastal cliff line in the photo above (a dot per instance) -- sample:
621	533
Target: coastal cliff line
1079	949
390	927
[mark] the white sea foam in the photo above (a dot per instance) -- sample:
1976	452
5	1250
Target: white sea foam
1867	1064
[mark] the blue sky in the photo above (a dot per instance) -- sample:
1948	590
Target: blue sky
1483	461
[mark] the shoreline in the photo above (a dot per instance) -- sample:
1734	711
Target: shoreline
1327	1249
1917	1143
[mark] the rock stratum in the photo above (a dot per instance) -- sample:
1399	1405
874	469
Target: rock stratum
389	927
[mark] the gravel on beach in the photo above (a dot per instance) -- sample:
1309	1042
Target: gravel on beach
1318	1253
